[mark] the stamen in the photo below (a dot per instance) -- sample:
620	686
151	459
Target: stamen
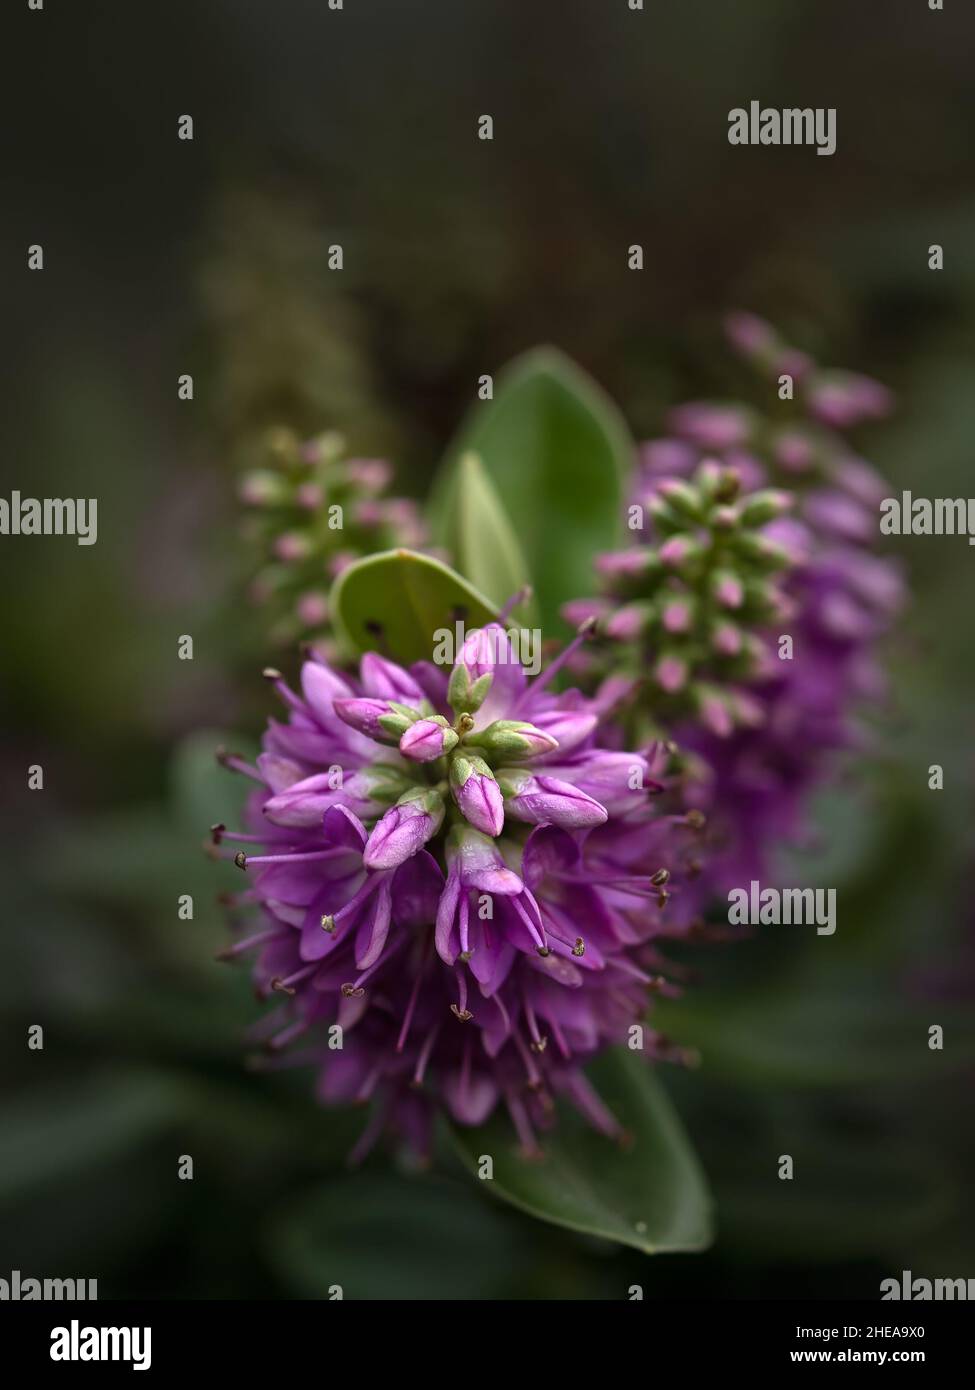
532	929
460	1009
355	990
219	833
411	1006
237	764
369	1084
559	1037
522	1124
243	860
370	1134
626	967
424	1057
590	1104
531	1070
522	596
496	999
583	633
284	691
284	986
330	921
288	1035
538	1043
239	947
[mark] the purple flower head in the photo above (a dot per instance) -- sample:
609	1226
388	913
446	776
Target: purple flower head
469	958
756	623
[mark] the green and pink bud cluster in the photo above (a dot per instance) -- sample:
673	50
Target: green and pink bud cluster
685	610
311	511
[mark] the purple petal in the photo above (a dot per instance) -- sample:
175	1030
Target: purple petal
384	680
481	803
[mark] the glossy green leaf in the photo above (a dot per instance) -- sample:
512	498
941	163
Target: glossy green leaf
393	603
481	540
557	451
651	1195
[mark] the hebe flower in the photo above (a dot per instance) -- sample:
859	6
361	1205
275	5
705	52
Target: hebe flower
312	510
480	922
705	600
693	603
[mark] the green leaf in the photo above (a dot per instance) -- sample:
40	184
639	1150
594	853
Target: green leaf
557	451
53	1133
481	540
826	1028
380	1237
651	1195
394	603
853	1195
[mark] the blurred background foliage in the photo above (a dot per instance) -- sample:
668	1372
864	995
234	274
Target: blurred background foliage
162	257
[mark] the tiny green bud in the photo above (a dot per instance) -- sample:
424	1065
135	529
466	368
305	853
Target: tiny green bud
761	551
463	694
765	506
514	738
682	498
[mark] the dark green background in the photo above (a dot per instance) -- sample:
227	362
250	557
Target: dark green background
164	257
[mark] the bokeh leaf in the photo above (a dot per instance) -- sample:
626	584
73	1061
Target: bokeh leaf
651	1195
395	602
481	540
820	1029
53	1133
557	451
377	1237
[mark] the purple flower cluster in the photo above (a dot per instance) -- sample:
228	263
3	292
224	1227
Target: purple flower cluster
463	892
760	721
